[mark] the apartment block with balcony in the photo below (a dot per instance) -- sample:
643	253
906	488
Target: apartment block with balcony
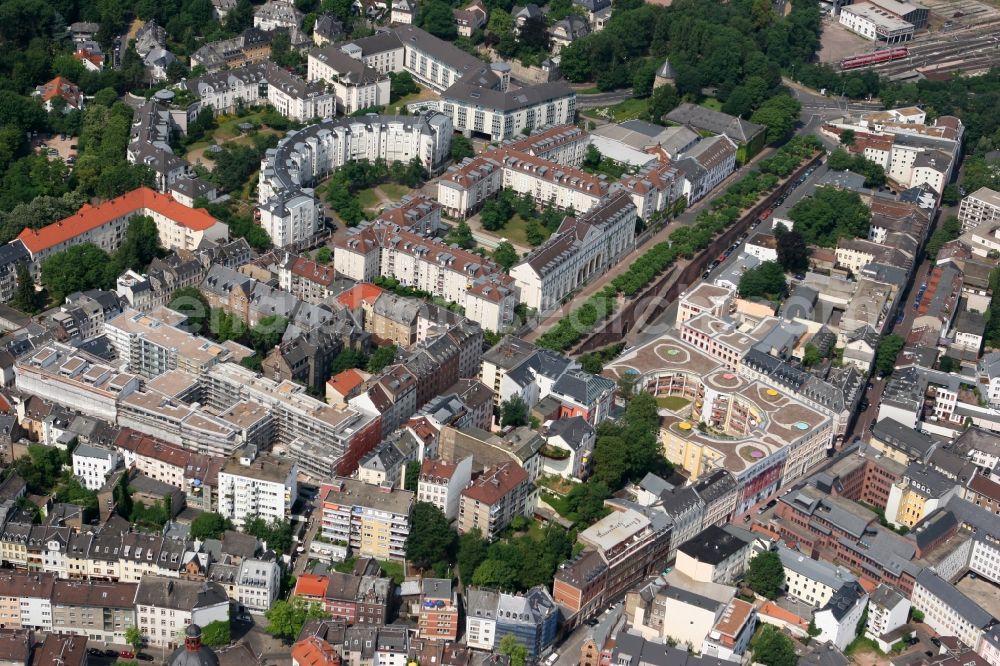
373	520
264	486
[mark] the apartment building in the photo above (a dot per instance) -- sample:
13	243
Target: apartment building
917	494
654	188
464	188
441	483
98	610
384	249
621	549
306	279
296	99
982	207
251	46
356	86
179	423
92	464
321	439
532	618
264	486
888	610
74	379
289	211
152	345
258	584
164	607
104	225
482	103
583	248
493	499
811	581
438	616
373	520
716	554
194	473
947	610
705	298
26	600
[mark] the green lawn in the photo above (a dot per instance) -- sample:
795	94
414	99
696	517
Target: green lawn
394	191
421	95
368	199
516	231
393	570
593	90
712	103
673	402
230	128
630	109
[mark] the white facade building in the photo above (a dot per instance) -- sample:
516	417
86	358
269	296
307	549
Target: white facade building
258	584
166	606
838	620
583	248
441	483
356	85
264	486
92	464
947	610
980	207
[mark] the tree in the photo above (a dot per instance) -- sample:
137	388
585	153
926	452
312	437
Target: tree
592	157
133	636
401	84
380	358
505	255
793	254
586	500
324	255
216	634
267	334
779	114
513	412
431	538
472	551
436	18
534	35
764	281
209	525
285	618
26	297
461	235
773	648
461	147
949	229
949	364
885	357
811	355
140	246
77	268
766	575
916	615
510	646
829	215
847	137
411	478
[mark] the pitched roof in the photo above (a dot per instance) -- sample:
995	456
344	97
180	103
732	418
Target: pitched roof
92	217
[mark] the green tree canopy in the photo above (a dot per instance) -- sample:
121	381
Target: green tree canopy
436	18
285	618
773	648
513	412
216	634
209	525
829	215
793	254
77	268
380	358
505	255
431	539
766	575
885	357
764	281
513	648
461	148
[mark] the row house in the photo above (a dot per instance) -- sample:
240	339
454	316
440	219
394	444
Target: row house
306	279
353	599
101	611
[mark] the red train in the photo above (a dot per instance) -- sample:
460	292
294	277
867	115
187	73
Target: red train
875	58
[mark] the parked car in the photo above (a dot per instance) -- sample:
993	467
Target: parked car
126	654
96	652
142	656
936	641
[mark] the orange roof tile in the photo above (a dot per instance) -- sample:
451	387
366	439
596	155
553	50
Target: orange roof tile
346	381
774	610
92	217
356	295
313	651
311	585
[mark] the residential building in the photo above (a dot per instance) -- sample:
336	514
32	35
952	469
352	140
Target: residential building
251	46
888	610
982	207
93	464
441	483
68	93
532	618
164	607
706	165
62	650
620	550
75	380
356	599
470	19
947	610
705	298
25	598
438	616
355	85
731	634
327	29
811	581
838	620
104	225
715	555
296	99
258	584
101	611
654	188
577	438
493	499
583	248
384	249
917	494
264	486
373	520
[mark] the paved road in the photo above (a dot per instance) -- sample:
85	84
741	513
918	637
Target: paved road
603	99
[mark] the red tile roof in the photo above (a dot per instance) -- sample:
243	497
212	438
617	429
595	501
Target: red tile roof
60	87
344	382
311	585
95	58
92	217
496	482
355	296
313	651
